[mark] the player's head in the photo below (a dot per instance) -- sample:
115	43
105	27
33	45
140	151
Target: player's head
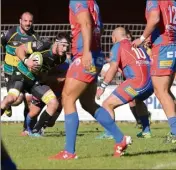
128	34
62	43
118	34
26	21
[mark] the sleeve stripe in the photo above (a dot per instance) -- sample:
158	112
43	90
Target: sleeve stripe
12	37
29	48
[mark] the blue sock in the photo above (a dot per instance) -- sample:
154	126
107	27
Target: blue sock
145	123
28	123
107	132
172	124
104	118
71	128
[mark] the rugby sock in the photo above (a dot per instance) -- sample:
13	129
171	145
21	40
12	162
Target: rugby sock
71	128
104	118
2	111
145	123
107	132
45	117
26	111
28	123
133	110
172	124
33	122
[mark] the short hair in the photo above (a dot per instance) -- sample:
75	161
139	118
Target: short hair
26	13
63	35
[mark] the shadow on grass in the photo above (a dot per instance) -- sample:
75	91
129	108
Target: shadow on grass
133	154
151	152
145	153
59	134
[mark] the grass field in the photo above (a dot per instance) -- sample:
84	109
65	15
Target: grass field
32	153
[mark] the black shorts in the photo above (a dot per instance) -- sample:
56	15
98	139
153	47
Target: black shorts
37	102
23	84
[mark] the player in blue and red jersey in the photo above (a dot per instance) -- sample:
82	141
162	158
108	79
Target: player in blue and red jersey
81	77
135	66
161	26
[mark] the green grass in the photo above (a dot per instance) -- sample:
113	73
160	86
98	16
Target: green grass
32	153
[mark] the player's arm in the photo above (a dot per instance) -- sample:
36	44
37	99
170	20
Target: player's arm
110	74
107	79
23	50
114	58
85	22
30	47
152	21
5	36
83	18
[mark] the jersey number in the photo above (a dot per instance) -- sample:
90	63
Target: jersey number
172	13
139	53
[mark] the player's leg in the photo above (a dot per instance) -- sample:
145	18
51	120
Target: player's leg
18	101
144	119
87	99
10	84
132	105
13	94
88	103
44	93
162	78
105	116
161	87
57	87
34	110
77	82
27	101
69	96
53	119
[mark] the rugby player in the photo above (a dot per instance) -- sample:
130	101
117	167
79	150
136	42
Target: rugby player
52	73
55	79
161	27
135	65
23	77
10	39
138	108
81	77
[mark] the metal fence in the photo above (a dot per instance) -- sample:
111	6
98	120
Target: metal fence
51	30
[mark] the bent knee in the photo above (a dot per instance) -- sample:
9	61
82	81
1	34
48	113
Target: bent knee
18	101
54	104
11	98
106	105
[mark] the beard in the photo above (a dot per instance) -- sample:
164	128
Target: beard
27	30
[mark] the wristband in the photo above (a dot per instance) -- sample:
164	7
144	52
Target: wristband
104	85
25	60
142	38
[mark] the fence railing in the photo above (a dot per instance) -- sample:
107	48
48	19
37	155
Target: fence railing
51	30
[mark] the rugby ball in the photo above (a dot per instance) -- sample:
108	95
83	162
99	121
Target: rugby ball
37	56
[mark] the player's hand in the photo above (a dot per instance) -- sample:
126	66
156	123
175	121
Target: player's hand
100	91
136	43
87	60
31	64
